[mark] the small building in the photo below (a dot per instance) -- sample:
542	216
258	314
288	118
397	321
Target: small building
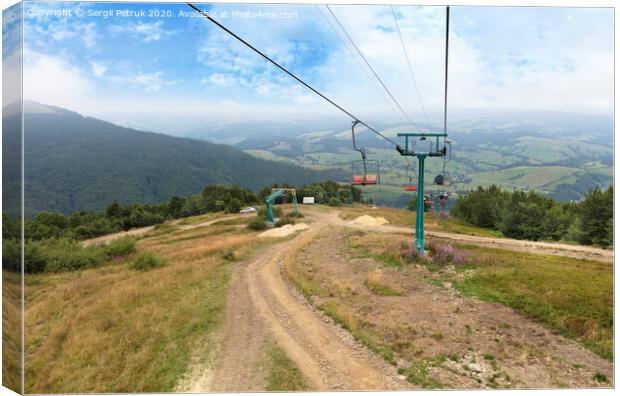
308	200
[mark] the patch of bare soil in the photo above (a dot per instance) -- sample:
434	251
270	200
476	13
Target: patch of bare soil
105	239
262	305
460	342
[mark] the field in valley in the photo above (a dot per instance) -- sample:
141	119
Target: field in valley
339	306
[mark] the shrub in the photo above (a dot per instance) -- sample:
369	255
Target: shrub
258	224
284	221
443	253
11	255
262	212
334	202
121	247
229	256
144	261
63	254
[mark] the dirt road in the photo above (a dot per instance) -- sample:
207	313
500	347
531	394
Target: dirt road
262	305
104	239
557	249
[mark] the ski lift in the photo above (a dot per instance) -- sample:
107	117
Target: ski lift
361	168
361	175
410	186
443	179
427	201
443	198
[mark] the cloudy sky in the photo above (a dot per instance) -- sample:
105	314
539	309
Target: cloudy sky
167	71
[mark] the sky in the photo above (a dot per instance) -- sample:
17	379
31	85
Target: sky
157	67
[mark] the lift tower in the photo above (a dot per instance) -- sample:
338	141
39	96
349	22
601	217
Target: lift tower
421	153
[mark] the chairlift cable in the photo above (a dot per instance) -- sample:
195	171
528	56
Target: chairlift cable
292	75
362	68
415	84
445	95
371	68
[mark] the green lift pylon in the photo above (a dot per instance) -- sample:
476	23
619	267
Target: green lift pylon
433	151
275	194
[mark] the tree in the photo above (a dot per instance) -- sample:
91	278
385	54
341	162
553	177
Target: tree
595	218
233	206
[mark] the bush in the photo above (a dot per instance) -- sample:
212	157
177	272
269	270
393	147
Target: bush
145	261
262	212
66	254
258	224
59	255
121	247
284	221
334	202
11	255
443	253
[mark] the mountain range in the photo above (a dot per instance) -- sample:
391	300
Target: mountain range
559	154
74	162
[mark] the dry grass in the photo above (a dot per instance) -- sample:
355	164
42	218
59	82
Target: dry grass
377	284
571	296
11	331
406	218
283	374
112	329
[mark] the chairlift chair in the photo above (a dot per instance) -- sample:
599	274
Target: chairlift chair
444	179
410	186
365	171
443	198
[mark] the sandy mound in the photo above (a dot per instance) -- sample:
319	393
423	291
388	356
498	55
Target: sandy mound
370	221
283	231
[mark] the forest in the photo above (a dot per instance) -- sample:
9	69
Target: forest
531	215
52	238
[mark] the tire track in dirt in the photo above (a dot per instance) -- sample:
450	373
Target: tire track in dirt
262	305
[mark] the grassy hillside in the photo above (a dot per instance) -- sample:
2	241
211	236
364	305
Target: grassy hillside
116	328
74	162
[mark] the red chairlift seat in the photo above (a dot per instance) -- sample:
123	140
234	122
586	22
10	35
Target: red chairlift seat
362	180
365	172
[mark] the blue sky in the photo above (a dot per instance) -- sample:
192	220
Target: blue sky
168	71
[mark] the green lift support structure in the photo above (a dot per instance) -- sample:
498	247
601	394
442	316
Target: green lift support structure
410	150
275	194
433	150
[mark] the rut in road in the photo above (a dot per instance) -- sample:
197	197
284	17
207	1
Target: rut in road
262	306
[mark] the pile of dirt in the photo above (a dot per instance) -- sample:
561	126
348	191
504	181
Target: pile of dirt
370	221
283	231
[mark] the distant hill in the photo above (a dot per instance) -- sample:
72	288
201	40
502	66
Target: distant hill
74	162
559	154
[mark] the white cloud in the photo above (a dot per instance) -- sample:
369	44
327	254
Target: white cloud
98	69
146	32
61	30
52	80
150	82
